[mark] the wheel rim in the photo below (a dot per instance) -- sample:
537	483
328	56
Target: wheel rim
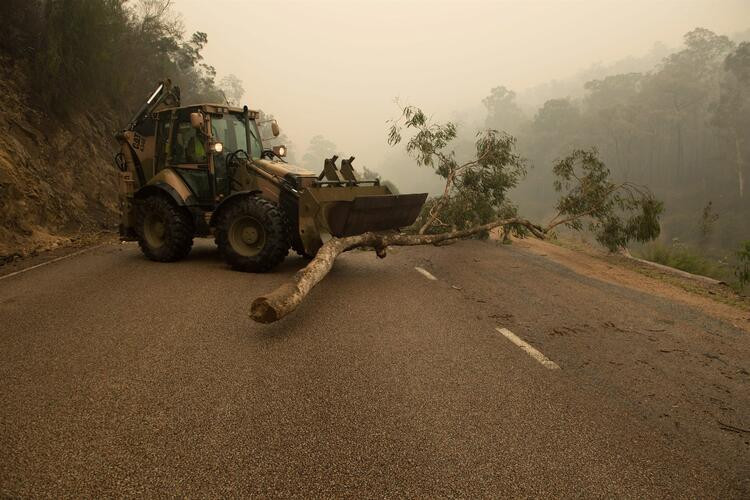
154	230
247	236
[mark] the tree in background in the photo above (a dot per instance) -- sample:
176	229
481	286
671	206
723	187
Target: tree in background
104	52
742	269
681	128
555	129
503	113
319	149
732	113
708	221
233	89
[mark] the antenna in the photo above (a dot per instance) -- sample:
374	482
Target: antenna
225	97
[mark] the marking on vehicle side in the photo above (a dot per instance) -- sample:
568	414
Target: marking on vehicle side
425	273
541	358
58	259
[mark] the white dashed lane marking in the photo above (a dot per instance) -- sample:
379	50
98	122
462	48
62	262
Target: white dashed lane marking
425	273
544	360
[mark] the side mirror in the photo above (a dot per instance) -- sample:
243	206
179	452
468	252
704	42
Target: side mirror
275	128
196	120
279	151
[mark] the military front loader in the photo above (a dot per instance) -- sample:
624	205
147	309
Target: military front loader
203	170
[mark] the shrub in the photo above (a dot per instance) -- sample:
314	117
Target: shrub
742	269
682	257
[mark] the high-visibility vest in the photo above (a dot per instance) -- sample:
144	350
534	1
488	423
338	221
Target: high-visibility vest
200	151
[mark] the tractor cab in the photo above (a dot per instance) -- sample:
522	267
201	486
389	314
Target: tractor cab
196	142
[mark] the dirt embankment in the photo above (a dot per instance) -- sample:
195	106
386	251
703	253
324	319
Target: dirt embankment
57	179
713	299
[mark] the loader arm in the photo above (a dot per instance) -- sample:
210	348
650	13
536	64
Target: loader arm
164	93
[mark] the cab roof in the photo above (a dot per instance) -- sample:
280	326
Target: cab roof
211	108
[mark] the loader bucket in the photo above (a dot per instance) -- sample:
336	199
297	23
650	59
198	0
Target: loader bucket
351	210
374	213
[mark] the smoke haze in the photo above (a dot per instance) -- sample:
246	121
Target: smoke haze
334	67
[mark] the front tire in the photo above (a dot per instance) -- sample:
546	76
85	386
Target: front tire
252	235
165	231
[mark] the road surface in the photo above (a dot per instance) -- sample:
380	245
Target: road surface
125	377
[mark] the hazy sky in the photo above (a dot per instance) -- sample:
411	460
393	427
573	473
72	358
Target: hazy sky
335	67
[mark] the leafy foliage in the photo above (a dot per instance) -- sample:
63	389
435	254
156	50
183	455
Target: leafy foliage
94	52
742	269
428	143
616	213
681	256
475	189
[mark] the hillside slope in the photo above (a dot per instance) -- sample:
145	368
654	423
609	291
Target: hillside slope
57	179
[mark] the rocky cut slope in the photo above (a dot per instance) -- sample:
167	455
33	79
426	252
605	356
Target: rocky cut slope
57	178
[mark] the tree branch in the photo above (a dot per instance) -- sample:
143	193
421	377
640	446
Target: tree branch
285	299
554	222
435	209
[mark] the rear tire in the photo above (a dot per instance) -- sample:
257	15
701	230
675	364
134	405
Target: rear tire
252	235
164	230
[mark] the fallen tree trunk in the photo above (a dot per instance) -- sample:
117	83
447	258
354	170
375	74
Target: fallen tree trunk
285	299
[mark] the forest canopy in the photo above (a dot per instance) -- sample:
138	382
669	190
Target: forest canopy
683	129
105	52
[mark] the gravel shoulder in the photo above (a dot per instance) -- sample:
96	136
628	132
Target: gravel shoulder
717	300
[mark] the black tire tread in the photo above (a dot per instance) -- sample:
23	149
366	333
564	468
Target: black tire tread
277	234
179	228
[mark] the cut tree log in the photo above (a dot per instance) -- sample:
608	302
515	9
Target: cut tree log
285	299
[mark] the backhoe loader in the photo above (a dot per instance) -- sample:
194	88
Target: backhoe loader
202	170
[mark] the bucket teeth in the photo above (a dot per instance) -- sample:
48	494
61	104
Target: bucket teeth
347	171
330	171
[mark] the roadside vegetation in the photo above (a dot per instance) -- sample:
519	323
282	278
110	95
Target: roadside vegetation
742	268
682	257
677	121
733	268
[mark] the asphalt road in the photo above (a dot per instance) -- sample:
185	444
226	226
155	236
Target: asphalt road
123	377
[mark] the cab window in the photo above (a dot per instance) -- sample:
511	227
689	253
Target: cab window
256	148
230	131
188	144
